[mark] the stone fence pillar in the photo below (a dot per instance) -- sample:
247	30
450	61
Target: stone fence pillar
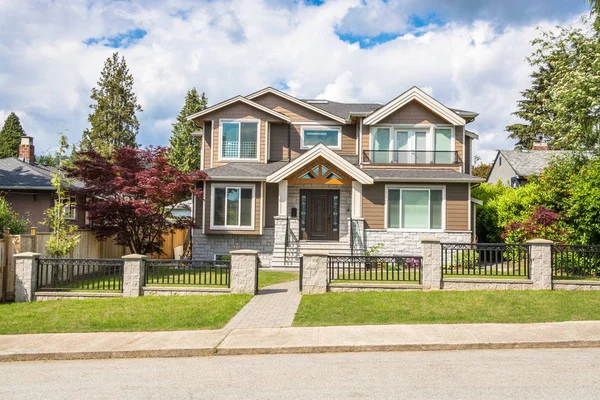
244	271
26	276
431	249
133	274
314	272
540	263
356	227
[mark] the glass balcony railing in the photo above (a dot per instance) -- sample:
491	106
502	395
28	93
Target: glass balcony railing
410	157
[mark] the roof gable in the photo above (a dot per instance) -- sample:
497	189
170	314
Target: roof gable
296	101
415	94
234	100
329	155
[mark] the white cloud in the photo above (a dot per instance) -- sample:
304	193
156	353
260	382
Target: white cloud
239	46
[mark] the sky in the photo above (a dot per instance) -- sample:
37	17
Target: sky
468	54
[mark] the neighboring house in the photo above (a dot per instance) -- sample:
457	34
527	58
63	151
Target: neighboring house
287	175
27	187
183	209
514	167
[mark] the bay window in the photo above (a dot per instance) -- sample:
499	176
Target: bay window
329	136
233	207
239	140
414	208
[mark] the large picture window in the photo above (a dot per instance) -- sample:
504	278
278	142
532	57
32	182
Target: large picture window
233	207
418	145
329	136
239	140
414	208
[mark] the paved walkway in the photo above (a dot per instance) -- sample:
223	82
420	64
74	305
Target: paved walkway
73	346
273	307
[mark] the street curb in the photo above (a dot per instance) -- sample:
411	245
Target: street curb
218	351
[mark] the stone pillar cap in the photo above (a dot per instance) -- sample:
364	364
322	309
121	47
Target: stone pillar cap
134	256
252	252
315	253
27	254
540	241
430	240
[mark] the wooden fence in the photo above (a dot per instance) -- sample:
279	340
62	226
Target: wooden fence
88	247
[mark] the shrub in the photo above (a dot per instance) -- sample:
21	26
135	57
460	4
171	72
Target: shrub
10	220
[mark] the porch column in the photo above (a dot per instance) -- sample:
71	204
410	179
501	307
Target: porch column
283	196
357	199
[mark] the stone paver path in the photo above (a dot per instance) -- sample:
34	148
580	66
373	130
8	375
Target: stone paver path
273	307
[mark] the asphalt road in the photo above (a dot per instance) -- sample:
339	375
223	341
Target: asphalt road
494	374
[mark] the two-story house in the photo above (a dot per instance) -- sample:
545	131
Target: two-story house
287	175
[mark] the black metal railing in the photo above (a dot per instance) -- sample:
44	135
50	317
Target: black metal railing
374	268
485	260
187	272
409	157
71	274
575	261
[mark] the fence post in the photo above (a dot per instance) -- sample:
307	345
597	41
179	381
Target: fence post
243	271
540	263
314	272
26	272
431	271
133	274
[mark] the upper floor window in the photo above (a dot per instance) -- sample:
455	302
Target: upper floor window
329	136
239	140
399	145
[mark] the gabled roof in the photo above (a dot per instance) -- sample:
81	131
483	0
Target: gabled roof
415	94
529	162
321	150
236	100
345	110
17	174
304	104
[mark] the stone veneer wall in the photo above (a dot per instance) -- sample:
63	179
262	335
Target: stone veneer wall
408	243
206	246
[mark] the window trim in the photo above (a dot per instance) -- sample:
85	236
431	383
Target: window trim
414	187
70	204
212	207
414	127
239	121
321	128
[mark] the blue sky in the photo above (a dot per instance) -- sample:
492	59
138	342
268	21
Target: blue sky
469	54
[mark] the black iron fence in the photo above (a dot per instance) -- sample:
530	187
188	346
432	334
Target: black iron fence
410	157
485	260
187	272
374	269
575	261
70	274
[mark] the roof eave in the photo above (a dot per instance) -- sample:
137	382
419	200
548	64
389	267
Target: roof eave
234	100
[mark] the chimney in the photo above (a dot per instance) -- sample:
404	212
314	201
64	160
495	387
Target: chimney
26	150
540	143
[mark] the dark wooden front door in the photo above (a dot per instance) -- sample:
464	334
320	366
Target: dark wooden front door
319	214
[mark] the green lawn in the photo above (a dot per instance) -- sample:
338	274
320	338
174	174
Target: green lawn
366	308
126	314
268	278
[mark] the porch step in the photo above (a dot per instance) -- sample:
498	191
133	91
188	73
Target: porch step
292	260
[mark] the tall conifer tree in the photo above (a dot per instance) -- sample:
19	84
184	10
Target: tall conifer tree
114	123
185	153
10	136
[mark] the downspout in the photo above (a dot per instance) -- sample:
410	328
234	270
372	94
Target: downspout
289	144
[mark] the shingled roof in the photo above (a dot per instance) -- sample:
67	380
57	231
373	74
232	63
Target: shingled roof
17	174
526	163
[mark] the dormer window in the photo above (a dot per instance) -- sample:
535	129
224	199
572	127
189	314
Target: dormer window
330	136
239	140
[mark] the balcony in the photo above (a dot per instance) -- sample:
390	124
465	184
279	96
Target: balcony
411	157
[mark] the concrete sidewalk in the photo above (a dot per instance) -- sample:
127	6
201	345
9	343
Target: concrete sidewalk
70	346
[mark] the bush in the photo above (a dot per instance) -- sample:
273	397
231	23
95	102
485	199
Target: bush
10	220
465	259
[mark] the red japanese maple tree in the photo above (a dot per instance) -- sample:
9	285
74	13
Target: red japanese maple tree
131	195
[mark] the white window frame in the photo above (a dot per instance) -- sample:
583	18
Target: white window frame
212	207
70	204
412	129
414	187
321	128
239	121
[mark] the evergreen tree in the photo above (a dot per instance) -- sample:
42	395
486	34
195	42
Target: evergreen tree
185	153
10	136
113	119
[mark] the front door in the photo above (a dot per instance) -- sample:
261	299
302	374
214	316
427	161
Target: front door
319	214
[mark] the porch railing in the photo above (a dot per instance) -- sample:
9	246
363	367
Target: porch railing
484	260
374	269
411	157
187	272
70	274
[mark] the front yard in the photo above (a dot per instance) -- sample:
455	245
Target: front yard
375	308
